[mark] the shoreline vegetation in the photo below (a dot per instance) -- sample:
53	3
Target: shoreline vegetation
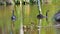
17	2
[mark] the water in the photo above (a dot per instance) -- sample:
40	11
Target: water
26	16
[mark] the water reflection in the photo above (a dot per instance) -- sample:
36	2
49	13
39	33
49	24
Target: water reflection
30	21
2	9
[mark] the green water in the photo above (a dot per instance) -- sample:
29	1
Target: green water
29	15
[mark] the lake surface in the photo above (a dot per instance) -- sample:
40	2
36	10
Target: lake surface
27	15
